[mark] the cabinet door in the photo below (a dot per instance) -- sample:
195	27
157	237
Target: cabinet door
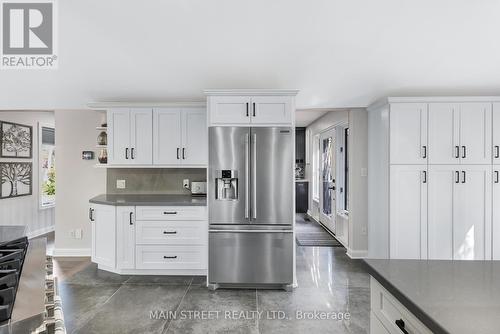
118	136
167	136
125	237
475	133
472	214
496	213
141	127
231	110
408	212
194	137
408	133
441	187
103	235
444	133
496	133
271	110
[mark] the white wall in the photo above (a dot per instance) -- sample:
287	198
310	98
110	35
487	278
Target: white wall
77	179
25	210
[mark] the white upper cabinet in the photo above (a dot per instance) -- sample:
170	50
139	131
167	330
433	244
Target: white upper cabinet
408	212
130	136
475	133
408	133
460	133
167	136
180	137
496	133
443	133
229	110
251	107
141	128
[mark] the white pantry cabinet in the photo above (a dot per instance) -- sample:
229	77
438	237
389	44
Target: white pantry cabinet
460	133
251	107
130	136
180	137
408	132
408	212
103	220
496	133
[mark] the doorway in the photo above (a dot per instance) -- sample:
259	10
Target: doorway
327	180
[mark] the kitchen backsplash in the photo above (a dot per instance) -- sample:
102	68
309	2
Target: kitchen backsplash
152	180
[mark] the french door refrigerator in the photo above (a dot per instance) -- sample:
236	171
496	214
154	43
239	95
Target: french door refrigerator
251	184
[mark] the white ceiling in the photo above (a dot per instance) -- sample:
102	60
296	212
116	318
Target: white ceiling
304	117
338	53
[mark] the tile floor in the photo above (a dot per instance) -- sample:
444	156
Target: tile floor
96	301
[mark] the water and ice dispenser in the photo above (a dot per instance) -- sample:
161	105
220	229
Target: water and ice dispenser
226	184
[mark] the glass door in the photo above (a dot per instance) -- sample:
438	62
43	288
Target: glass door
327	179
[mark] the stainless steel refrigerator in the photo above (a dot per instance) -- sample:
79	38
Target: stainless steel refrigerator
250	198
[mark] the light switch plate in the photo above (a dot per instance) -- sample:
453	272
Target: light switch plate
120	184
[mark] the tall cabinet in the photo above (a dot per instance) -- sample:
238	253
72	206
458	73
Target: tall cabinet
433	178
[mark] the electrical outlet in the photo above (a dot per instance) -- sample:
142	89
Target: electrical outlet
185	183
120	184
72	234
78	233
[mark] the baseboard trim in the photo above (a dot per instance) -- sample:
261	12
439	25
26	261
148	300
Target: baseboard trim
42	231
72	252
357	254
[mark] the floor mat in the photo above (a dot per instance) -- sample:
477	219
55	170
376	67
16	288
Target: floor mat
311	233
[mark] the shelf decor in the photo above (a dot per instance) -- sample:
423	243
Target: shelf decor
16	140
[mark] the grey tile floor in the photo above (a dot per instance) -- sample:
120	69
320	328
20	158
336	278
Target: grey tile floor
96	301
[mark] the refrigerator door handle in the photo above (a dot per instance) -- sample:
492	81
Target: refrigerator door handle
254	176
247	175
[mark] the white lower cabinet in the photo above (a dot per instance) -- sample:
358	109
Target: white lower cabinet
388	315
408	212
496	213
459	212
142	240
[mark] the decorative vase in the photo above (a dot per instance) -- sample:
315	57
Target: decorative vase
102	139
103	156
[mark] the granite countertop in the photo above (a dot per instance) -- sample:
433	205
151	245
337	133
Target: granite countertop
149	200
12	232
447	296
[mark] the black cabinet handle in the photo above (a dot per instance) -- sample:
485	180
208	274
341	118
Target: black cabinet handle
169	212
126	153
457	152
170	257
497	151
91	214
497	180
183	153
166	232
425	177
457	175
401	325
254	109
130	218
132	153
463	174
178	149
464	154
425	152
247	110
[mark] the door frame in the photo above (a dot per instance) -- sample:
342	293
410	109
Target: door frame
327	221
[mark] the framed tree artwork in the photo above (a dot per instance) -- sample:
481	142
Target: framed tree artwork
17	179
16	140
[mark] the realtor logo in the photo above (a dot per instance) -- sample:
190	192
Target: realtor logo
28	30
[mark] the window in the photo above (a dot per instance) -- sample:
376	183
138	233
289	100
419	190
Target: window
47	157
315	168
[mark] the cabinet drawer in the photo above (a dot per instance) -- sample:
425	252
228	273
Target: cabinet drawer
183	232
171	257
388	310
171	213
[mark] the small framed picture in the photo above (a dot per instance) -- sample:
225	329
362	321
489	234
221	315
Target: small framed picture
87	155
16	140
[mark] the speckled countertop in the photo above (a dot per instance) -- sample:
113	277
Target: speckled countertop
458	297
149	200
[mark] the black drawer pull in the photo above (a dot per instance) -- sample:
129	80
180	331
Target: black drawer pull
170	257
166	232
401	324
169	212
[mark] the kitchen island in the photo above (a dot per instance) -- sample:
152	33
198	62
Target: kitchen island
417	296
